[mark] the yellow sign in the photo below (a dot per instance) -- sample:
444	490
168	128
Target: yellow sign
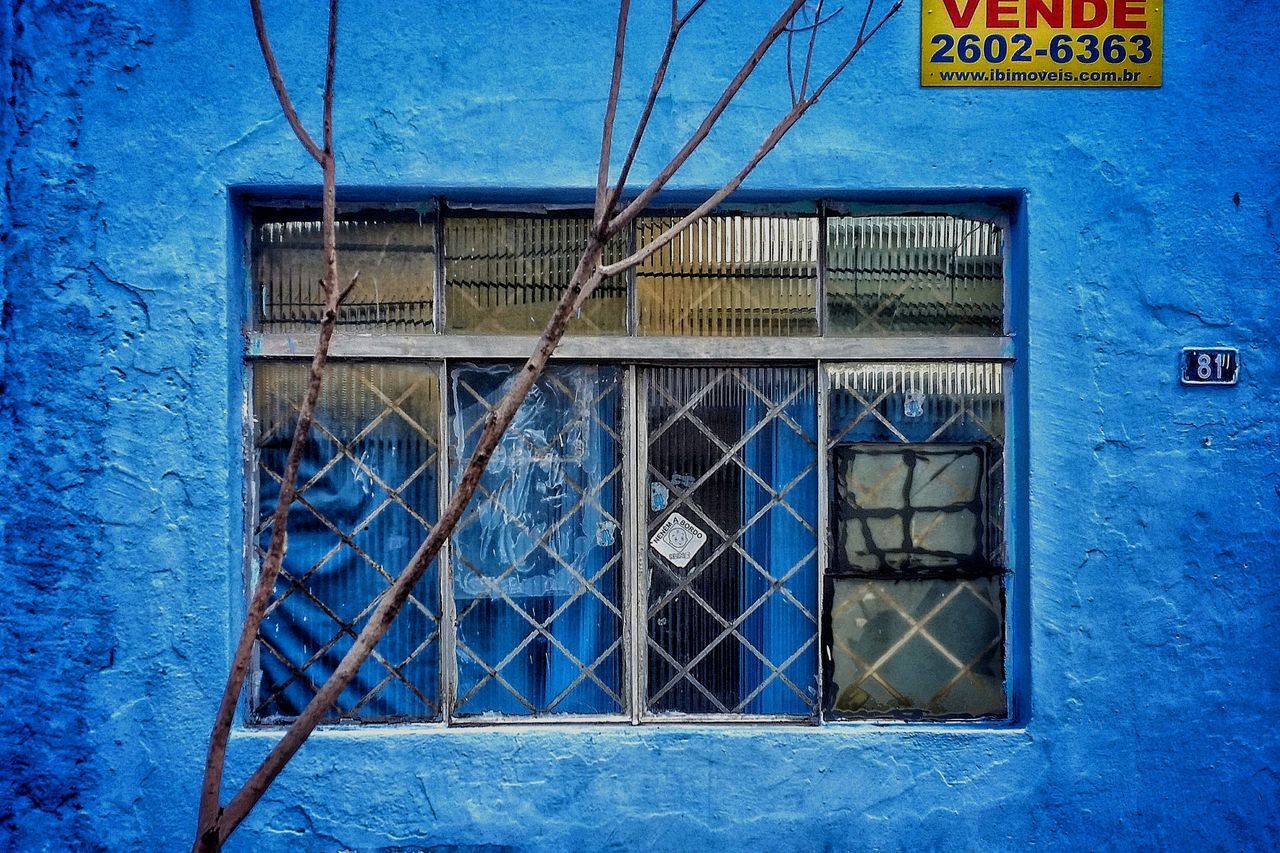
1041	42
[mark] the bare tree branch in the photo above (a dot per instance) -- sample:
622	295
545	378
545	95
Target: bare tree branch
217	824
640	202
659	75
610	113
277	81
394	597
208	836
780	129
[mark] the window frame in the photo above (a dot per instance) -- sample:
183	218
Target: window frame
441	349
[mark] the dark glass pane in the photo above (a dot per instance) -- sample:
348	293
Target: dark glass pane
732	559
927	274
730	275
367	499
537	558
919	403
394	252
506	274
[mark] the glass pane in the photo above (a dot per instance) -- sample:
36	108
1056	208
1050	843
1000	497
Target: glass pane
928	647
732	559
537	558
929	274
506	274
394	252
731	275
367	499
949	405
910	509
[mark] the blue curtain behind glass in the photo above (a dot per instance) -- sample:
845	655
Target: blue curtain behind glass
778	541
341	526
547	521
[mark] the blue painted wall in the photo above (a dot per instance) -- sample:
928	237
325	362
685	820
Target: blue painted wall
1151	532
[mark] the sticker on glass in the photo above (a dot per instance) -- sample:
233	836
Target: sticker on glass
678	540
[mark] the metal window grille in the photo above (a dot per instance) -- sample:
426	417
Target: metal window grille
741	498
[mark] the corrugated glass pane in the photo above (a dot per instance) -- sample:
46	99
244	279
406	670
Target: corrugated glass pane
930	648
732	556
506	274
537	558
394	252
927	274
730	275
367	499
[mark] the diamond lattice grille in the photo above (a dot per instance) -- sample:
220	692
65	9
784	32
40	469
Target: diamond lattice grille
734	451
916	575
538	556
367	498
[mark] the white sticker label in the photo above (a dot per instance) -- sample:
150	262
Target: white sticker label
678	540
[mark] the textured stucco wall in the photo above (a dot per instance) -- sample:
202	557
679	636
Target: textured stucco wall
1151	533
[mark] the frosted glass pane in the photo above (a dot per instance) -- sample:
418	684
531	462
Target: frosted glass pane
910	509
367	499
929	274
506	274
394	252
731	275
537	558
932	648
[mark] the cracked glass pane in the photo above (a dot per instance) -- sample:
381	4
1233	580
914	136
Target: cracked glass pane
932	274
394	252
537	557
730	275
506	274
732	557
367	497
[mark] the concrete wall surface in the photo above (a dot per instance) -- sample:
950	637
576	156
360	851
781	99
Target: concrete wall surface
1150	524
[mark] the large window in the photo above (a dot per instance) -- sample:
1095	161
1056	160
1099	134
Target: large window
764	478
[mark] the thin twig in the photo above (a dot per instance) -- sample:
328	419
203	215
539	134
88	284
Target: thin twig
346	291
277	81
640	202
610	113
791	80
857	47
813	39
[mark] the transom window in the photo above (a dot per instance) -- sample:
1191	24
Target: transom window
763	479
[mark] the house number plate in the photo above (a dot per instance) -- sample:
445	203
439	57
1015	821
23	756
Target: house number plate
1210	365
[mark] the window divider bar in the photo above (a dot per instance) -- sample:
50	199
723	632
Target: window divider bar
444	568
438	303
821	288
640	616
607	348
632	538
824	538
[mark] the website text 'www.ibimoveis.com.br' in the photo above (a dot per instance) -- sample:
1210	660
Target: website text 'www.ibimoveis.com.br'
1000	75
